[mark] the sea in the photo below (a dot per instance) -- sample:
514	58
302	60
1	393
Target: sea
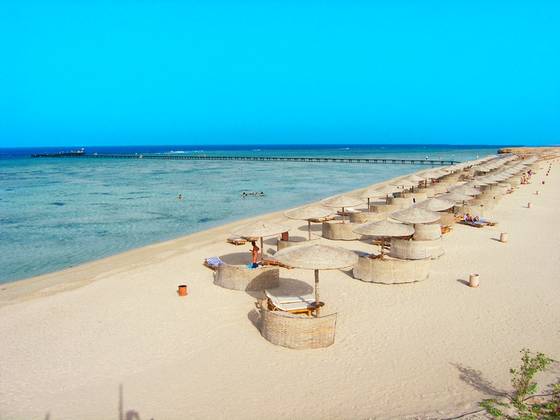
56	213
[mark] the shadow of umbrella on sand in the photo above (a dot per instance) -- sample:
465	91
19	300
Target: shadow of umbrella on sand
308	213
317	257
260	229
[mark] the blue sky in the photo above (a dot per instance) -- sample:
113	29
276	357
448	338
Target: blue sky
211	72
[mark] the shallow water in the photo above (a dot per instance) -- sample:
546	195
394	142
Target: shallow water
57	213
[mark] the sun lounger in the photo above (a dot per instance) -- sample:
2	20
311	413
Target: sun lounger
271	261
348	211
293	304
322	219
478	224
236	241
213	262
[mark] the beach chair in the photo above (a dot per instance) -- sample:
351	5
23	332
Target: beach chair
322	219
479	224
213	262
348	211
236	241
293	304
273	262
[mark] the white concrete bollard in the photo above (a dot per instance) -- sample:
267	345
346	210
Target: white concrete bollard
474	280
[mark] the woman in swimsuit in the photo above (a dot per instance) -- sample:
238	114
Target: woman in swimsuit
255	254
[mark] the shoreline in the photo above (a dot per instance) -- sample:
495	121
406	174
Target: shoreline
85	273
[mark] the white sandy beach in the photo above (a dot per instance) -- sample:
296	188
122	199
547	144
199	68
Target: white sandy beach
72	339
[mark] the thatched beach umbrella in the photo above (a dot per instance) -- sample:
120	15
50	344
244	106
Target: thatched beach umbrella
260	229
456	197
342	202
477	183
438	173
435	204
405	183
416	180
307	213
385	229
378	192
466	190
316	257
415	215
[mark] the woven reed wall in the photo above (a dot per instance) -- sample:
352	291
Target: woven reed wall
391	271
400	202
384	208
339	231
298	331
415	250
367	217
242	278
427	232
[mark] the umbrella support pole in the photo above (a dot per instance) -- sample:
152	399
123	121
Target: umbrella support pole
309	230
317	293
262	249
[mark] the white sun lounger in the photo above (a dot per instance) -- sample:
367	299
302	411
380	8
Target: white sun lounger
292	304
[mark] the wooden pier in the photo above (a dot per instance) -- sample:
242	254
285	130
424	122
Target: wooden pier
430	162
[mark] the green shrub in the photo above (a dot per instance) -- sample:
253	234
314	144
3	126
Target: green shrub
523	404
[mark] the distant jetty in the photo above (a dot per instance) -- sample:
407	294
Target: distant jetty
81	154
71	153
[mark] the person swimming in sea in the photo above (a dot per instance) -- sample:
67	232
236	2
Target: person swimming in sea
180	196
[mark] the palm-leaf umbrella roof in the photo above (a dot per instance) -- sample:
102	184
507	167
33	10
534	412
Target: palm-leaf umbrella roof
307	212
373	192
385	228
416	215
415	178
316	257
259	229
405	183
435	204
455	196
466	190
342	201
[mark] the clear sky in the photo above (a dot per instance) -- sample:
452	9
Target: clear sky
215	72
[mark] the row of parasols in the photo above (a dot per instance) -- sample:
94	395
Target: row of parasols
318	257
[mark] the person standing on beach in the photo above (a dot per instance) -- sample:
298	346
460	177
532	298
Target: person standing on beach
255	254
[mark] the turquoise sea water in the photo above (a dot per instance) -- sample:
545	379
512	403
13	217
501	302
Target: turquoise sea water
57	213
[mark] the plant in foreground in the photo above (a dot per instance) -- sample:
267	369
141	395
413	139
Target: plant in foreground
523	404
